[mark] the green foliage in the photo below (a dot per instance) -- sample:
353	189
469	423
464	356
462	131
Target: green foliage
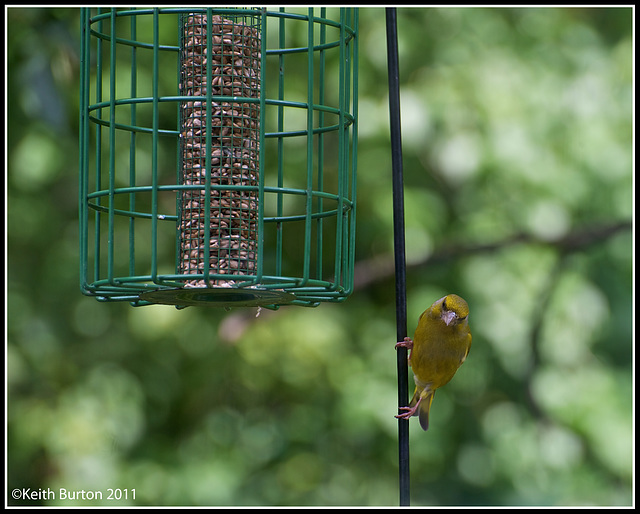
517	127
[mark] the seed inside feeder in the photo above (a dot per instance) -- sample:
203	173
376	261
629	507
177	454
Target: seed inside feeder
231	235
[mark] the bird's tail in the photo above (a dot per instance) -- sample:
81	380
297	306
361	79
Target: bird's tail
425	397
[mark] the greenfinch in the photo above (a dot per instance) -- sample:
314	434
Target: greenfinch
440	345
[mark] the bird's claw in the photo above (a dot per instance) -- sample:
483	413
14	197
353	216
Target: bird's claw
407	343
410	411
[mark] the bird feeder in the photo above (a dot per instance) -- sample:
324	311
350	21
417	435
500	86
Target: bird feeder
218	155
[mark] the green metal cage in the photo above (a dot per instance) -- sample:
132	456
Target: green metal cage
218	155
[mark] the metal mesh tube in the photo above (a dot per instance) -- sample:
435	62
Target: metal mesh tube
234	157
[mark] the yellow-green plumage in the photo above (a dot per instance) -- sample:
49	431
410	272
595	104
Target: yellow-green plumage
440	345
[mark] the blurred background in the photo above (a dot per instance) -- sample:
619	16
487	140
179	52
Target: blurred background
517	132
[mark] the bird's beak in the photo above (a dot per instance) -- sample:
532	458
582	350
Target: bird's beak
448	317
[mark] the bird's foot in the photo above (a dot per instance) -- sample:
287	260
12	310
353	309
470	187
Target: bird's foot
407	343
409	411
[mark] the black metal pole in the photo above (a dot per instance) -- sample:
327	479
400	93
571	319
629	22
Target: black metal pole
399	250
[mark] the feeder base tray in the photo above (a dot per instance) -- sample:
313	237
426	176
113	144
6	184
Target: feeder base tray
217	297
